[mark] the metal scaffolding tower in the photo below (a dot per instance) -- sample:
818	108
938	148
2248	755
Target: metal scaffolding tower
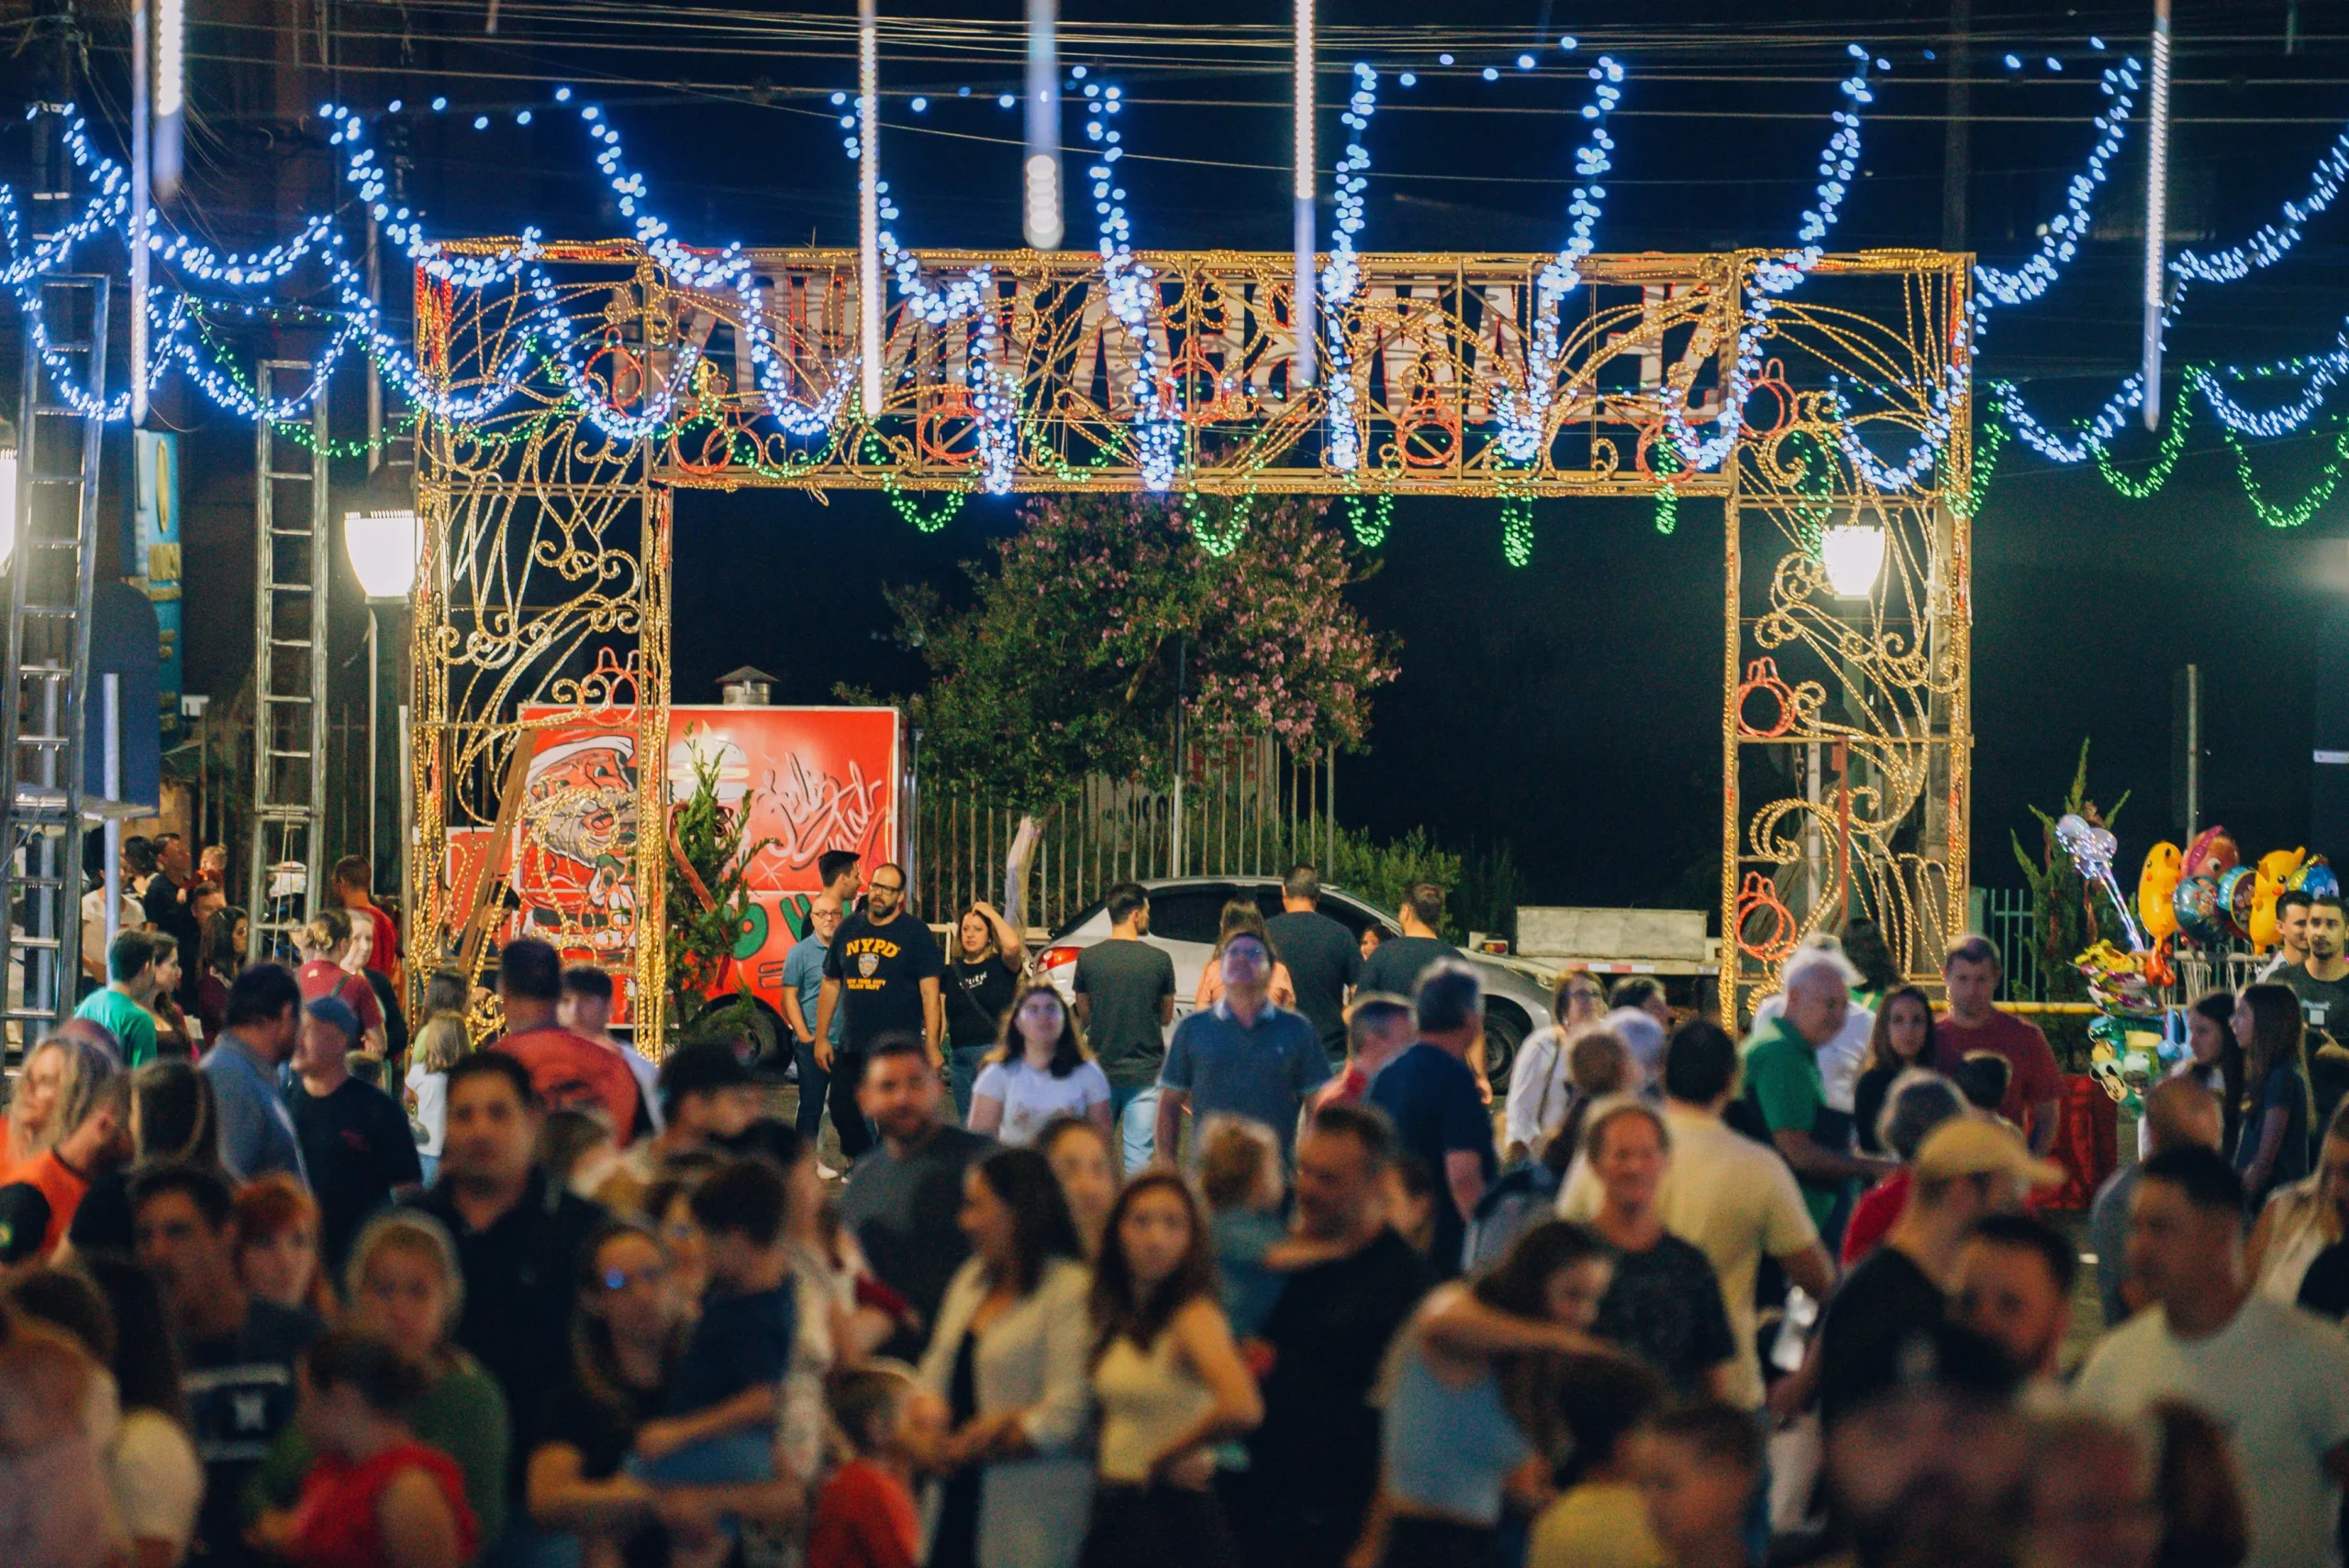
45	679
290	579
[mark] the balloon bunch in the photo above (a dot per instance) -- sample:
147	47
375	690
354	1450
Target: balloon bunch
2206	896
2135	1036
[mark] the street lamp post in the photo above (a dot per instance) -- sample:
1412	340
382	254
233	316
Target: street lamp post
383	542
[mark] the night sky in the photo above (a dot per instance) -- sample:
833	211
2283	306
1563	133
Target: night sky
1571	707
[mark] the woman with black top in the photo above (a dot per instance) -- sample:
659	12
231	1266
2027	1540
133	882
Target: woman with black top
2214	1060
1011	1356
627	1337
980	979
2272	1149
1902	1039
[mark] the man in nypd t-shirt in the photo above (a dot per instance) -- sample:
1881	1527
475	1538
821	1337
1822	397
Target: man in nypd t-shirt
884	967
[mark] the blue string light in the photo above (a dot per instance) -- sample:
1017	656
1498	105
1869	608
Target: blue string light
1343	276
1158	415
1525	426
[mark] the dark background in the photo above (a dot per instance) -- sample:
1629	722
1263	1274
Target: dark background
1571	707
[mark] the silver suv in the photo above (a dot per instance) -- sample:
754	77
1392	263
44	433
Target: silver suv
1186	913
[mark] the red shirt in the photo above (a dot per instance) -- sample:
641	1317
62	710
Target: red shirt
1872	1217
865	1519
324	977
2036	1078
335	1524
569	1070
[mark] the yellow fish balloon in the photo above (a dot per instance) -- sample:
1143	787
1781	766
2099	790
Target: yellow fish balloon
2156	887
2274	867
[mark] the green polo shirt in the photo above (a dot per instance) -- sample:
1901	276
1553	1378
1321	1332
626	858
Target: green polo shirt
132	1025
1782	1080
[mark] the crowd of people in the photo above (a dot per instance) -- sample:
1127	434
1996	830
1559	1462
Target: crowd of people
1293	1285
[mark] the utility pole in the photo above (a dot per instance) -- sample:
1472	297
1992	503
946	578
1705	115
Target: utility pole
1957	130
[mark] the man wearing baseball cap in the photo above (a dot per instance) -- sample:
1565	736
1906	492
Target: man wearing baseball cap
355	1138
1965	1168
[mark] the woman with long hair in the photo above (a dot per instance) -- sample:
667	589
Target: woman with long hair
172	1118
1539	1091
1170	1384
2214	1059
220	952
403	1286
981	978
1902	1037
1086	1166
2295	1254
277	1244
627	1338
1039	1069
438	1046
2272	1147
1469	1426
1009	1355
60	1078
1242	915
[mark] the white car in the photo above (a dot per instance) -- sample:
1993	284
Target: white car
1186	913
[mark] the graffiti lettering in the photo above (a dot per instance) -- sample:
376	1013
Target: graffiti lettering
815	812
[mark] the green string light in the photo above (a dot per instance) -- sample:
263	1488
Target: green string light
2300	511
1666	462
2165	456
1369	520
1217	539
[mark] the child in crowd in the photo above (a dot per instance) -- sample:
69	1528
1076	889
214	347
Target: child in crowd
865	1516
1981	1077
57	1414
374	1493
1239	1172
1698	1466
438	1046
1600	1518
725	1400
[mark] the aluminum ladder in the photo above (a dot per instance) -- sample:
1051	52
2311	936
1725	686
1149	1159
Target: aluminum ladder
290	576
49	577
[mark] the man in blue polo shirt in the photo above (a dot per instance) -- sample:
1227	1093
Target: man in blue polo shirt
1242	1057
1431	1093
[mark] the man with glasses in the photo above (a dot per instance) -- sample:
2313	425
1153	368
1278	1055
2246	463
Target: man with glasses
803	995
882	973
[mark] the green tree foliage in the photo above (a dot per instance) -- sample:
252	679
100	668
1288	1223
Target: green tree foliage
707	832
2067	915
1102	608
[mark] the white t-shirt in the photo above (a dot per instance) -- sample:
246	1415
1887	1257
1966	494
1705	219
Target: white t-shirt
1839	1059
1030	1099
1732	1200
2277	1380
157	1479
431	1092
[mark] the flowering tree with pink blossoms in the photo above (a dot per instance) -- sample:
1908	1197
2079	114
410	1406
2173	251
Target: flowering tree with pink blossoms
1102	608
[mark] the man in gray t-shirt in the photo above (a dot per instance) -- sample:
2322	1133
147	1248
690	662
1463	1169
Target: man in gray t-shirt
1125	998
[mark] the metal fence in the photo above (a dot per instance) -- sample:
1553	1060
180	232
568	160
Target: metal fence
2007	918
1250	810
